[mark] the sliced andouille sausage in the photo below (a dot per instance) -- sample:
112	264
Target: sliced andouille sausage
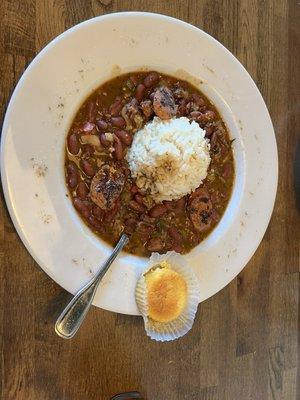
107	186
164	104
200	211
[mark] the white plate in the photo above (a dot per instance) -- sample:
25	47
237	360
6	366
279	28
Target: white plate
38	117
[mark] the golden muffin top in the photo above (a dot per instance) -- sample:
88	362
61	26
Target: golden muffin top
166	293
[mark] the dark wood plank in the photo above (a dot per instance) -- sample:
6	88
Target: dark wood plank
244	344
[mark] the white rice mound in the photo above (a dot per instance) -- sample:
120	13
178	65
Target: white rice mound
169	159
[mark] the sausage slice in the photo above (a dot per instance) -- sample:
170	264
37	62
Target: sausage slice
164	104
106	187
200	210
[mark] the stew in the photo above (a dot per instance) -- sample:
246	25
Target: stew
96	145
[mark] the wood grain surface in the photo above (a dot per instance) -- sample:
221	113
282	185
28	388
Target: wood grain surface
244	344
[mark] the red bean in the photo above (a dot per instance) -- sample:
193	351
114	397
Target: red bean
198	100
178	248
226	171
116	108
87	168
82	190
88	127
209	115
151	79
72	181
134	188
175	234
139	198
95	223
157	210
71	169
72	178
169	204
102	125
125	137
118	121
118	148
130	225
104	141
139	93
90	111
195	114
136	206
97	212
73	144
82	207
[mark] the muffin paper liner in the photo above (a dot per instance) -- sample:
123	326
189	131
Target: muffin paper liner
166	331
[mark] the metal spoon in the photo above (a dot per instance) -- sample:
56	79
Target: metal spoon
73	315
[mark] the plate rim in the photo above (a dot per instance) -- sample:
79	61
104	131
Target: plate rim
35	60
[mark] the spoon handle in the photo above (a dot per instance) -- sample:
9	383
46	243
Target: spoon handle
73	315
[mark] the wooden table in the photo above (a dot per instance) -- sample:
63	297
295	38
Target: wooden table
244	342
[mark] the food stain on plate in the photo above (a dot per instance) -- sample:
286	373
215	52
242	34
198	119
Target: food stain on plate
39	167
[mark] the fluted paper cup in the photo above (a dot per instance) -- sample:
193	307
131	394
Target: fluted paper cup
166	331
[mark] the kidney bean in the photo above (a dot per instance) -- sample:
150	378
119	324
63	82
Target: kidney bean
116	108
102	125
90	111
118	148
82	207
157	210
72	181
82	190
97	212
104	141
139	198
169	204
71	169
72	178
136	206
175	234
198	100
95	223
130	225
73	144
118	121
144	229
87	168
195	114
88	127
140	91
151	79
181	110
210	115
125	137
226	171
134	188
178	248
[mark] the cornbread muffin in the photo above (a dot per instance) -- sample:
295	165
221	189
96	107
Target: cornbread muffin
166	293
